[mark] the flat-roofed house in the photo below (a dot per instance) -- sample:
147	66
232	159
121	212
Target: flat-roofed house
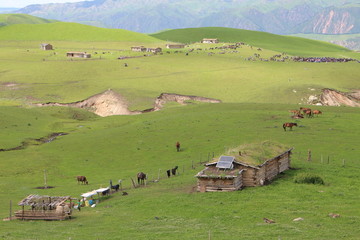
138	49
78	54
175	46
210	40
154	50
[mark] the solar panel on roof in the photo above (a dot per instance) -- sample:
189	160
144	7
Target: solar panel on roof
225	162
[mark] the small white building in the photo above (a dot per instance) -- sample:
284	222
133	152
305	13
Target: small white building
138	49
210	40
78	54
154	50
175	46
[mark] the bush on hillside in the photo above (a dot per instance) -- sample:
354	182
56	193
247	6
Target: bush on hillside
308	178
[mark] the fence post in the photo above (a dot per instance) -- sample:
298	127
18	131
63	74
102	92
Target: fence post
328	159
309	155
10	210
159	174
192	164
322	158
343	163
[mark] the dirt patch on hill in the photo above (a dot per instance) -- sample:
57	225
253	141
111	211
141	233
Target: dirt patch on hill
332	97
111	103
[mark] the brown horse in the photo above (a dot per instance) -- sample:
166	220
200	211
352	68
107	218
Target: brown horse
294	112
141	178
317	112
302	109
82	179
289	125
308	113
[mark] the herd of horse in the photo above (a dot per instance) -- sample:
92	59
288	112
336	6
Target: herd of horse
301	113
141	177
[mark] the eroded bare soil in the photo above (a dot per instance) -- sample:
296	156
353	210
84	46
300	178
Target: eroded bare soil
111	103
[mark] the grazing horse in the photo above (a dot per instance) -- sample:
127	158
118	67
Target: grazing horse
302	109
289	125
297	116
173	171
82	179
141	177
309	113
317	112
178	146
294	112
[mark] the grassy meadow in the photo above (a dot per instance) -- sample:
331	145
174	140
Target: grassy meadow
256	97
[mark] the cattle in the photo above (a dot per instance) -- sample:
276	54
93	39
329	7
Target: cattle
82	179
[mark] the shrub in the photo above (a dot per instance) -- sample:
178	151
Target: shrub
308	178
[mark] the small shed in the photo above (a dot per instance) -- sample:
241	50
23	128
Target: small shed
45	208
138	49
175	46
229	174
210	40
154	50
78	54
46	46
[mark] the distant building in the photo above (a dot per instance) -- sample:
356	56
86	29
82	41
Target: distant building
174	46
210	40
154	50
46	46
138	49
78	54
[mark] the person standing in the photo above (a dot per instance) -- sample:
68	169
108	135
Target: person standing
178	146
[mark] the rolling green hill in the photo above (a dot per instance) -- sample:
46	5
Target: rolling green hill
256	96
63	31
291	45
10	19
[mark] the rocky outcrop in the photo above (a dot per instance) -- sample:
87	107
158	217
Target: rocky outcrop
335	21
331	97
111	103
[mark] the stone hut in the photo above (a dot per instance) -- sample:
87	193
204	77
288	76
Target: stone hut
46	46
78	54
229	174
210	40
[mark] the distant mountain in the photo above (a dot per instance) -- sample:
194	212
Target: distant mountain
9	19
147	16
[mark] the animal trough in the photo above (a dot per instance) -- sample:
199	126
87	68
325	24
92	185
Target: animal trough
45	208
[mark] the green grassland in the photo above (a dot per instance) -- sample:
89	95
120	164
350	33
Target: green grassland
256	98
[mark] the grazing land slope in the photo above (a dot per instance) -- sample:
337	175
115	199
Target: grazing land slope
291	45
63	31
9	19
256	96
